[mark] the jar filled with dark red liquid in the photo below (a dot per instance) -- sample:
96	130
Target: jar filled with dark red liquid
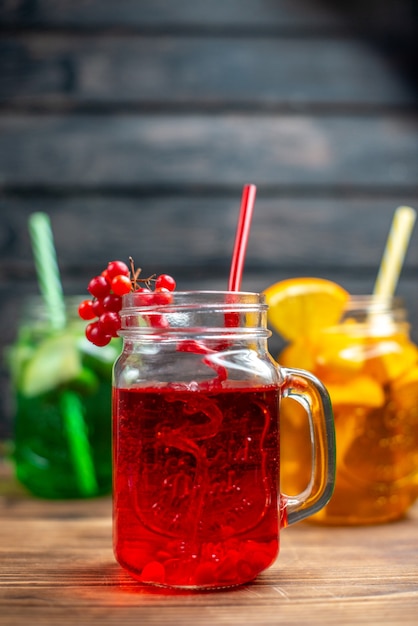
196	441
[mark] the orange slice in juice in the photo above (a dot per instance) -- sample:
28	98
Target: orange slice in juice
360	391
302	307
298	354
405	392
390	357
410	378
341	354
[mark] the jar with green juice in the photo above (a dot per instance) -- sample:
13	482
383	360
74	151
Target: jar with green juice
61	386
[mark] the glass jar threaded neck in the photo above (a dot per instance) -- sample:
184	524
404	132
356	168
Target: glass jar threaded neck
207	314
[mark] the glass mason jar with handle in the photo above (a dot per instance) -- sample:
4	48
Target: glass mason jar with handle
370	367
196	441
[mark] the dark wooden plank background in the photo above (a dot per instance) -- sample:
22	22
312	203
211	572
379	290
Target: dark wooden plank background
135	124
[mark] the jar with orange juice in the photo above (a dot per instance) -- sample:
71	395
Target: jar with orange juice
362	351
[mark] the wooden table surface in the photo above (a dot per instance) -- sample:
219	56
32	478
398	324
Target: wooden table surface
57	567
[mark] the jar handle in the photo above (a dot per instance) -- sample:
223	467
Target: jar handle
307	390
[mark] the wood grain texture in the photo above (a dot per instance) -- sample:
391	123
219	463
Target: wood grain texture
163	13
329	233
173	70
188	150
58	568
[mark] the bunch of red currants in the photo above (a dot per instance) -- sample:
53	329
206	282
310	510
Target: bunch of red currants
107	290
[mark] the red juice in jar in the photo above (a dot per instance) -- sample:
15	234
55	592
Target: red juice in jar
195	483
196	441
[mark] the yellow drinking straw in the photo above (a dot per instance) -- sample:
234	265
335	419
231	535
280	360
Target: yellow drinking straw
394	253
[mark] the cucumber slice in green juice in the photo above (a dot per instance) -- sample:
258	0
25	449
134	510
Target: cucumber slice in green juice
16	357
54	362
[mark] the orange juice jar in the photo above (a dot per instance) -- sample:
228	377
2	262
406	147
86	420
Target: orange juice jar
369	365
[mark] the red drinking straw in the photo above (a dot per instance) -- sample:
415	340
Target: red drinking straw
241	238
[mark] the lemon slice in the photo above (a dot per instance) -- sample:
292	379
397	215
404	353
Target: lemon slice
302	307
55	361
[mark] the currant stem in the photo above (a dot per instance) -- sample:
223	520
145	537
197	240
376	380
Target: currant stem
135	276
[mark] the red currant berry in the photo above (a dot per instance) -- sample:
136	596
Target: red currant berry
98	287
162	296
144	297
110	323
116	268
112	302
158	321
106	275
85	310
97	306
166	281
96	336
121	285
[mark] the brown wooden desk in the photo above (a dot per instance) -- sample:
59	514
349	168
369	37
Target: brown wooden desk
57	567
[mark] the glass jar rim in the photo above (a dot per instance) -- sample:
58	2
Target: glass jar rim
370	297
208	293
206	299
372	314
194	312
374	303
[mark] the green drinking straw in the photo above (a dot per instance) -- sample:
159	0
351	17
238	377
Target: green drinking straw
47	269
78	442
52	293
